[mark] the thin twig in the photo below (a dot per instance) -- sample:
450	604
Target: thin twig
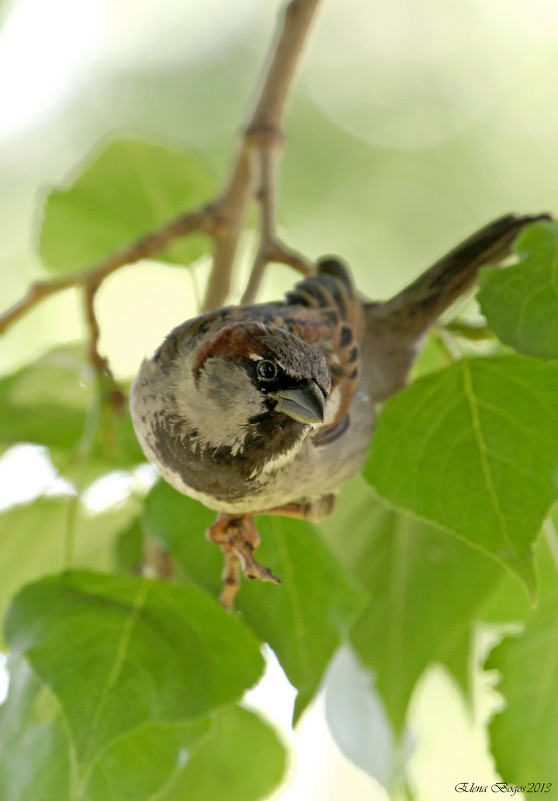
281	254
231	208
149	245
99	362
275	253
266	195
278	77
107	385
223	218
263	132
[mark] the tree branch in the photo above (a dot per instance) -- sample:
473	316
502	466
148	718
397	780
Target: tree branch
270	248
98	362
262	135
223	218
279	75
266	194
149	245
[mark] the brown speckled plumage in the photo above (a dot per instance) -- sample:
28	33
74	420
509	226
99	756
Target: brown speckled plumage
272	406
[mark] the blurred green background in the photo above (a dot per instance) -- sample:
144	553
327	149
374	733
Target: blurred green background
410	125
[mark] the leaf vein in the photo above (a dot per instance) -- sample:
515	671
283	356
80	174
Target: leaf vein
120	655
484	454
299	627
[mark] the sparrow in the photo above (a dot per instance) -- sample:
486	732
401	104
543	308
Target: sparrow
269	408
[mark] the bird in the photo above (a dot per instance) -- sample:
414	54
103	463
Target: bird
269	408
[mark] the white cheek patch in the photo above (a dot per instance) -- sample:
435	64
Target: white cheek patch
220	406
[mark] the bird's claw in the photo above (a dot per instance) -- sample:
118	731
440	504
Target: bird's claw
238	539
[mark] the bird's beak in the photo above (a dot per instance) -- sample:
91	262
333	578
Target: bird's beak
305	404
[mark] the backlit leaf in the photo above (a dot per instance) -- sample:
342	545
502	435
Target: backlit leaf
306	618
56	402
520	302
303	619
116	775
474	448
33	540
34	754
141	651
241	759
232	754
424	589
127	189
524	734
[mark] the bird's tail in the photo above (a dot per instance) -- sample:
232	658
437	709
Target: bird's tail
397	326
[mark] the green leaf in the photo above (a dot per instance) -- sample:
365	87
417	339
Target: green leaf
34	756
457	658
56	402
116	776
474	448
303	619
357	719
520	302
46	402
178	524
306	618
424	590
128	188
33	540
232	754
524	735
242	759
141	652
129	549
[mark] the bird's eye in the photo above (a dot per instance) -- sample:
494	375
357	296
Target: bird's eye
266	370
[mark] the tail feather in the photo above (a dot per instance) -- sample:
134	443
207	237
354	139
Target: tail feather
396	328
421	303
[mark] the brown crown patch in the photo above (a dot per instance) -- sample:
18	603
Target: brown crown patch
234	341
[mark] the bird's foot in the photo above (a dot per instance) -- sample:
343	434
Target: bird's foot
238	538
